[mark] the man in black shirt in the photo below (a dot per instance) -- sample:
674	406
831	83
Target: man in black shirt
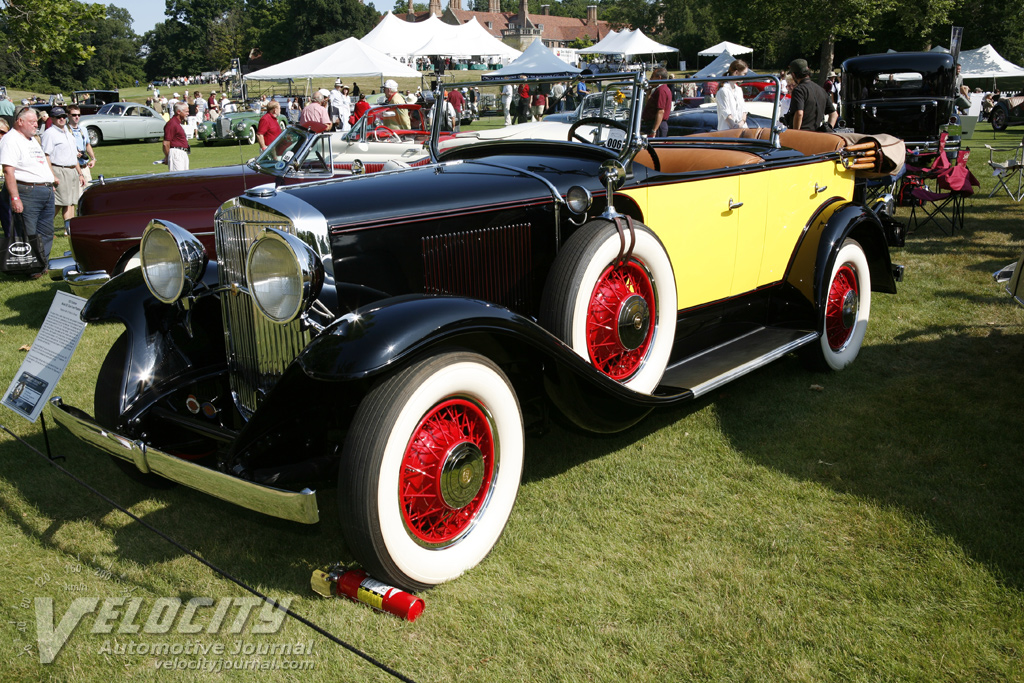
810	103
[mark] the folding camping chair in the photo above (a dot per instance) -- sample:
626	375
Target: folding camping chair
1005	171
947	207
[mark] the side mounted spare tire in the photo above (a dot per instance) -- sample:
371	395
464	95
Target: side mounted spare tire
612	298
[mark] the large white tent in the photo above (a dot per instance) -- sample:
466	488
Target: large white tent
628	42
726	46
536	60
394	36
717	67
466	40
346	59
985	62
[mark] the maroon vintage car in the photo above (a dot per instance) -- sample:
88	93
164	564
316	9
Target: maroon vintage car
113	213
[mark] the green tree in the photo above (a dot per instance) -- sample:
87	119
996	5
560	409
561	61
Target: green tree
115	61
35	29
318	23
402	6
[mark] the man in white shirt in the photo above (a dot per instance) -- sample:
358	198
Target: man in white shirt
61	149
28	181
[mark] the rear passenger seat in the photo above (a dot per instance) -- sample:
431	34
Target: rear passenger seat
683	160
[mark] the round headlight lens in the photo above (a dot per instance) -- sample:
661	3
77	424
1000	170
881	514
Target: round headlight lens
283	274
173	260
578	199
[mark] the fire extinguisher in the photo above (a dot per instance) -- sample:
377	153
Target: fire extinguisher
358	586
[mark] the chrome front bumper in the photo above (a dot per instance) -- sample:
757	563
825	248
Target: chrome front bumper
82	284
291	505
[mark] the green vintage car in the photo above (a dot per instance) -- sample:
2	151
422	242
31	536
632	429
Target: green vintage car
239	125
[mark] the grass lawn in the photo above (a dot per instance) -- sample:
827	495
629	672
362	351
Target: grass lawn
858	526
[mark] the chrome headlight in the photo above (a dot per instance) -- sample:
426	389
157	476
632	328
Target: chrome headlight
284	275
241	126
173	260
578	199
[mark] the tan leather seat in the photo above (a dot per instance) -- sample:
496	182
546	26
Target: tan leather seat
681	160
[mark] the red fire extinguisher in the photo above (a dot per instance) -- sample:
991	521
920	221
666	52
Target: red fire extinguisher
357	585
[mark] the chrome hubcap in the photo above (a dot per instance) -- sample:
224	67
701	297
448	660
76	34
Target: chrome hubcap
851	302
634	320
462	475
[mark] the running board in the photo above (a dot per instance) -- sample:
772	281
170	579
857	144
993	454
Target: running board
718	365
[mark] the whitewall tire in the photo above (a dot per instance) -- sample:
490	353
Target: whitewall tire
431	469
847	308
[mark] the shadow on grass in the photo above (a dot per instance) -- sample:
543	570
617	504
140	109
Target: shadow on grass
931	427
272	554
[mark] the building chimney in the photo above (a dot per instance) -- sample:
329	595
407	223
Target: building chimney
435	7
494	6
410	10
454	5
545	10
592	14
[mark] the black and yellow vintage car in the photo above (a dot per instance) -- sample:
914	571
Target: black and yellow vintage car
395	334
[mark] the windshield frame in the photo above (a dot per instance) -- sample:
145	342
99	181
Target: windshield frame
635	139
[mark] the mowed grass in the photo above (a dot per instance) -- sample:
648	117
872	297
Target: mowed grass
858	526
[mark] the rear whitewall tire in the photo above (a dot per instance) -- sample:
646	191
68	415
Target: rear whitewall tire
843	330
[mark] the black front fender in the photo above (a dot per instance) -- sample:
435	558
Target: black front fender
159	344
383	337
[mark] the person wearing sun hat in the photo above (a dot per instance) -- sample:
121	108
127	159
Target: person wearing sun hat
400	121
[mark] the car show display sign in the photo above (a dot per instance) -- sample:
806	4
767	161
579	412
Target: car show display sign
48	358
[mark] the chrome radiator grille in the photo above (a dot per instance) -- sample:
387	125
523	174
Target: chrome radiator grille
258	349
223	127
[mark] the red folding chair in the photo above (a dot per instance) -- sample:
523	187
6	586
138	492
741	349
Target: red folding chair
945	208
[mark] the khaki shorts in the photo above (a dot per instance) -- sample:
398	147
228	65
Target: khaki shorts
69	189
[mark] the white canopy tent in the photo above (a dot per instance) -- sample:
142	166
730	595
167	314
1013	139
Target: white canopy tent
466	40
606	43
716	68
985	62
346	59
536	60
629	42
394	36
726	46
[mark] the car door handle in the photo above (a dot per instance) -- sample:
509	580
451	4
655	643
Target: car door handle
818	189
734	205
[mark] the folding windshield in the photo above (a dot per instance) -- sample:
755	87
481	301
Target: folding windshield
277	157
611	111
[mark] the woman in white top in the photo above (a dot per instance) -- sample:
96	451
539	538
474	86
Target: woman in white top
731	113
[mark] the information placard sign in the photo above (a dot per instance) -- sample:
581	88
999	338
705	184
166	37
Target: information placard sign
48	358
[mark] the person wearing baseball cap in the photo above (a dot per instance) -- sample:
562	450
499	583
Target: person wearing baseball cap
810	104
400	121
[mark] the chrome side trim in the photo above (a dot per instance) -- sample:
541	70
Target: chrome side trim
295	506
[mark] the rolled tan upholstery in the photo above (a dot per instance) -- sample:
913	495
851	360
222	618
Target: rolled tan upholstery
682	160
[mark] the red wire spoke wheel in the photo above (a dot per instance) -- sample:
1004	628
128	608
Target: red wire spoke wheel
841	308
447	471
845	308
430	469
619	330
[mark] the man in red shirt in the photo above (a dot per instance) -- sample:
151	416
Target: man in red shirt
176	149
654	119
269	127
458	102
